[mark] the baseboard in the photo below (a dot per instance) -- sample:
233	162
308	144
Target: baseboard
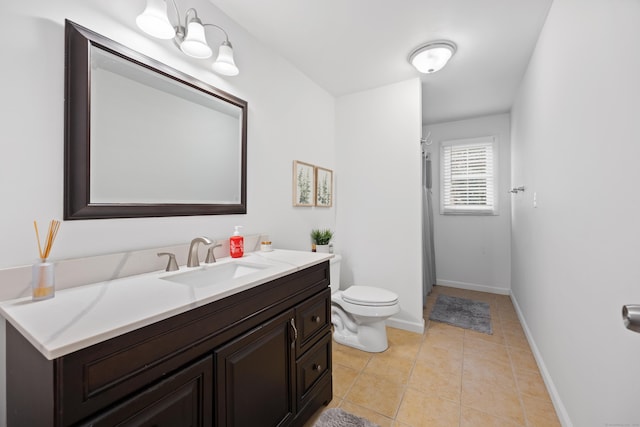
473	287
406	325
561	411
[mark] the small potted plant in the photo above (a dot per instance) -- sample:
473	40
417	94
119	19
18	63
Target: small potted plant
320	239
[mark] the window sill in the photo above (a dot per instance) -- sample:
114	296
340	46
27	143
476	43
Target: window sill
470	213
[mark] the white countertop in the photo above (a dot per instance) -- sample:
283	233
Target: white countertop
79	317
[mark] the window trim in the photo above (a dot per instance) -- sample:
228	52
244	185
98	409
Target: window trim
481	211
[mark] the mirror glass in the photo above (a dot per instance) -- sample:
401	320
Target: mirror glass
143	139
186	142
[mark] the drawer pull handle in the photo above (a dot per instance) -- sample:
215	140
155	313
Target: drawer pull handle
315	319
317	368
292	322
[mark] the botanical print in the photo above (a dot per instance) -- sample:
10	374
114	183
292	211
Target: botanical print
324	193
303	184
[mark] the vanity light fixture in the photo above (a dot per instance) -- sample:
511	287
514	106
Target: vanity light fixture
432	56
190	37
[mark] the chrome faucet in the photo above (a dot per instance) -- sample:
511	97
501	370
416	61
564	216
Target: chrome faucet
192	260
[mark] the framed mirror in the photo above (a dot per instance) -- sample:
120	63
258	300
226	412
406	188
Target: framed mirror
143	139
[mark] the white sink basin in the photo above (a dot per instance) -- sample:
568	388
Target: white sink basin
216	273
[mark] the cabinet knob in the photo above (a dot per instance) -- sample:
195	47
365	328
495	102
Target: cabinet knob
317	368
315	319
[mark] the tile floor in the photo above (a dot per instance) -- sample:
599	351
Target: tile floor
446	377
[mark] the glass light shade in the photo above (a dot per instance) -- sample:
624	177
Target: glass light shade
432	57
225	64
154	21
195	43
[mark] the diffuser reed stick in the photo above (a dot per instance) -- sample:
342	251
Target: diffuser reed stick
54	226
43	276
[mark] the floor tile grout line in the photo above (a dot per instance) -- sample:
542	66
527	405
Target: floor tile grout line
515	377
464	342
406	384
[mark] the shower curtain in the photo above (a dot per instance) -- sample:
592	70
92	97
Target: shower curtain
428	250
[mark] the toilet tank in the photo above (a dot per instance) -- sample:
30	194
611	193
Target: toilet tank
334	269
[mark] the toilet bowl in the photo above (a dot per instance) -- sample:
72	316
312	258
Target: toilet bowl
358	313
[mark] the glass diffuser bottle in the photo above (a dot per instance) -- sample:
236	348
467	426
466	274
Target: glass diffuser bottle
43	271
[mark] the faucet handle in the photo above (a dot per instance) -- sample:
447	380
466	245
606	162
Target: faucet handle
172	265
211	258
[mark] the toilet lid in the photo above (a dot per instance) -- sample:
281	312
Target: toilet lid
368	295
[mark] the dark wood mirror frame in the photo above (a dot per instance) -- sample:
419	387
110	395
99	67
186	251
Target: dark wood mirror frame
77	205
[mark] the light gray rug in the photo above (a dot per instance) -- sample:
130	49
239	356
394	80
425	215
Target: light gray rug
336	417
462	312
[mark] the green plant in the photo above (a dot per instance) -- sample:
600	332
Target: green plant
321	237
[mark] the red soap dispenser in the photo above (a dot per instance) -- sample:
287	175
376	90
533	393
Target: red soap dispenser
236	243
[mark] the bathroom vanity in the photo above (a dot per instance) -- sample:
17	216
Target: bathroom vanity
249	351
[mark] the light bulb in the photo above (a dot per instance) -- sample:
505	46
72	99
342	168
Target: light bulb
225	64
154	21
195	42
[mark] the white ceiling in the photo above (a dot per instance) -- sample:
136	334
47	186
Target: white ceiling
347	46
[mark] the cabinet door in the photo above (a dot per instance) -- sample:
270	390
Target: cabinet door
255	376
185	399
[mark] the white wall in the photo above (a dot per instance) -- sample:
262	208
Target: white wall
474	252
575	142
290	118
379	194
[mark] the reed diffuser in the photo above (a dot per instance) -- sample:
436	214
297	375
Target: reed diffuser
42	272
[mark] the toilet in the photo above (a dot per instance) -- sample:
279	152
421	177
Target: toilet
358	313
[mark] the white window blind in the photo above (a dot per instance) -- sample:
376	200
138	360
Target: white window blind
468	177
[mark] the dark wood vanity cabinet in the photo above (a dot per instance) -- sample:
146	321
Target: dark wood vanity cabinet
261	357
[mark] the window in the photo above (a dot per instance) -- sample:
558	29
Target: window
468	177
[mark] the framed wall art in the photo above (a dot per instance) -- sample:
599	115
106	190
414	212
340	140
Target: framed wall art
304	185
324	187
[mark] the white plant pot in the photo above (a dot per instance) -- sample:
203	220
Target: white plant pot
322	248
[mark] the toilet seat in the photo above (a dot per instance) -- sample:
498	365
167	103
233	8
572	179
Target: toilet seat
369	296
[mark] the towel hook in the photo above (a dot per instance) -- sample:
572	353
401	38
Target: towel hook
425	140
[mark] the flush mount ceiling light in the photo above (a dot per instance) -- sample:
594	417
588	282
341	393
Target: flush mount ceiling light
190	36
432	56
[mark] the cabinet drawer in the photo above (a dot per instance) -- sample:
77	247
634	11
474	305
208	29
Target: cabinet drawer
313	317
313	366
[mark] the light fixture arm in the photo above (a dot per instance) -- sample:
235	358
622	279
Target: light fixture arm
181	29
175	6
226	36
186	15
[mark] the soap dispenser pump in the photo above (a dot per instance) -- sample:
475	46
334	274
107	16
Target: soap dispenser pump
236	243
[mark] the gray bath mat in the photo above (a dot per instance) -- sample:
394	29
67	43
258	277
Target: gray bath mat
336	417
462	312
